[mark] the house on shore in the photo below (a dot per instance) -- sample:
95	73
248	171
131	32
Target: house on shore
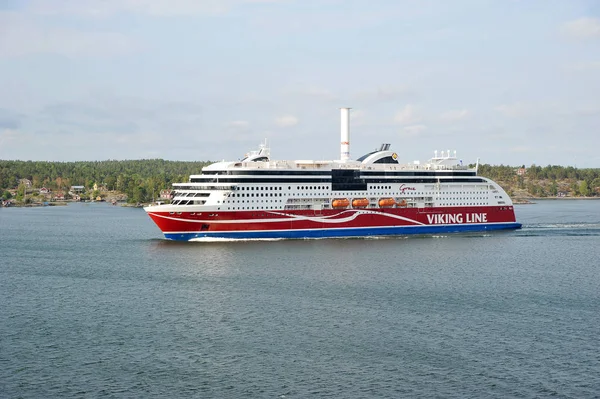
99	187
77	189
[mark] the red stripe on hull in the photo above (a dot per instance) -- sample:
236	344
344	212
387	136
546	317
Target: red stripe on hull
265	220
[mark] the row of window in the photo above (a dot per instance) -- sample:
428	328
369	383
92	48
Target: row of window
251	188
248	207
212	173
465	204
279	188
450	198
337	180
178	194
249	201
462	192
189	202
257	195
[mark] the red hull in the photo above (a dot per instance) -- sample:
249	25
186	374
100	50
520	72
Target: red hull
279	220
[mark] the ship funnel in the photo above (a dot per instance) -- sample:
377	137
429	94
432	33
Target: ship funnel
345	134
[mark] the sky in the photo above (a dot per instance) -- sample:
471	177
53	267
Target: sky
506	81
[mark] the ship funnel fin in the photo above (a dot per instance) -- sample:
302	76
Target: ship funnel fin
345	134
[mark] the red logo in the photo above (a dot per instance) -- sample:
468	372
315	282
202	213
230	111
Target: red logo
404	187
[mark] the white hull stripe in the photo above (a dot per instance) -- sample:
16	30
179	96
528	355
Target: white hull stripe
290	218
334	228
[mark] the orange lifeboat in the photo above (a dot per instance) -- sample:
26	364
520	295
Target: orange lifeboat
360	203
340	203
402	203
387	202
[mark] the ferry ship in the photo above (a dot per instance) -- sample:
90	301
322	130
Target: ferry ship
374	195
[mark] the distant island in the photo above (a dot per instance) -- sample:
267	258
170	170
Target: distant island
130	181
560	182
147	180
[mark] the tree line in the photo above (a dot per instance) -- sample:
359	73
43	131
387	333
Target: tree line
142	180
550	172
545	181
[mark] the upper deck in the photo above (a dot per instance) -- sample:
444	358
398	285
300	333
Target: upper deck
377	161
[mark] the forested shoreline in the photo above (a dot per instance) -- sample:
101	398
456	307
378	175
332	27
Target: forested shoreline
544	182
142	180
138	180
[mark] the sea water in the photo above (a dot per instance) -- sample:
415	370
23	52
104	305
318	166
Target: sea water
95	303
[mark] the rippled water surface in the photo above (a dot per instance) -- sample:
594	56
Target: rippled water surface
94	303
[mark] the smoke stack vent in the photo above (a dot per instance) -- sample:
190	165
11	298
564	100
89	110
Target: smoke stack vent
345	134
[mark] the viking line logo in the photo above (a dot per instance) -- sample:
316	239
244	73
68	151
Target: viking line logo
455	218
404	187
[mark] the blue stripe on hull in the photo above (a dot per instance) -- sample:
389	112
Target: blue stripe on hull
349	232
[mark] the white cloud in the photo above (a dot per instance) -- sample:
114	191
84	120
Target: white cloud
407	116
413	130
339	18
316	92
21	35
6	137
238	124
584	66
383	94
120	116
9	119
94	8
582	28
454	115
521	148
587	110
358	115
515	110
286	121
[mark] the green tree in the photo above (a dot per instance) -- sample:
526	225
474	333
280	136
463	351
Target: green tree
584	189
595	186
534	189
553	189
139	195
534	171
21	192
110	182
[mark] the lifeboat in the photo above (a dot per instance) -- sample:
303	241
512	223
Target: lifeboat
340	203
387	202
360	203
402	203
